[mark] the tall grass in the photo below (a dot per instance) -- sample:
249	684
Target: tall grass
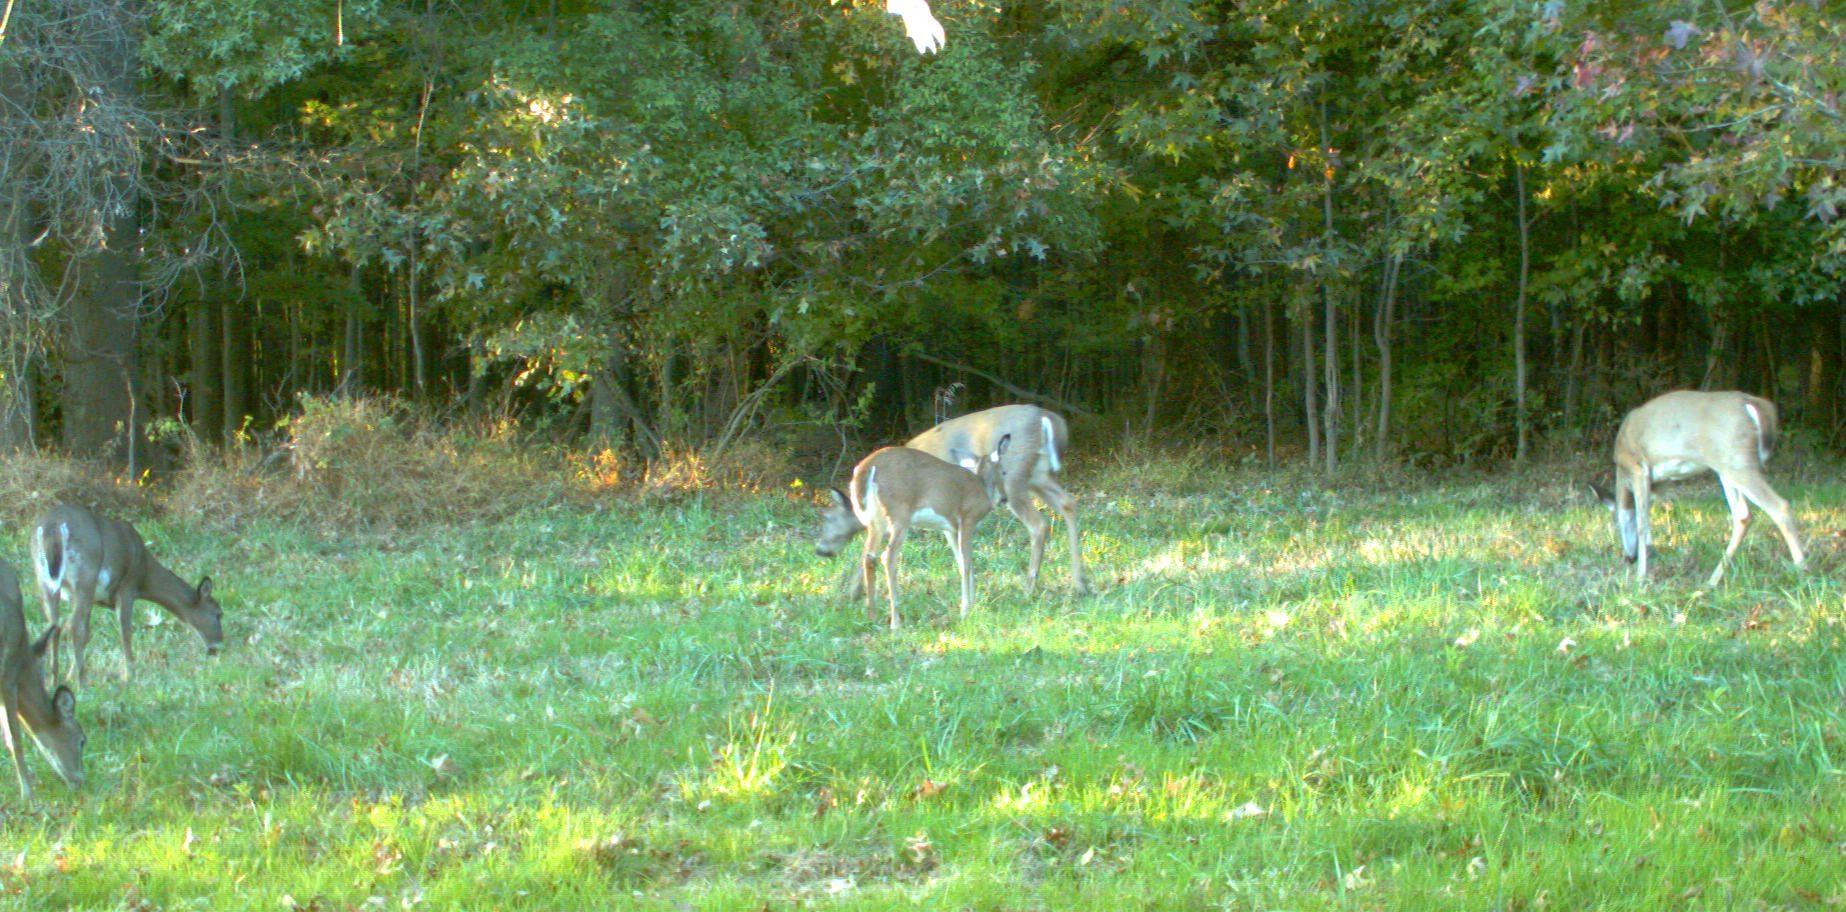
1440	694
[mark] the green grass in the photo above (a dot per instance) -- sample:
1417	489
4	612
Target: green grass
1282	697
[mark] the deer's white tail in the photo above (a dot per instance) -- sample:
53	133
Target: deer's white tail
1051	443
51	564
1765	434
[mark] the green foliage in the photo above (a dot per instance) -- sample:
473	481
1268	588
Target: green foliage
248	46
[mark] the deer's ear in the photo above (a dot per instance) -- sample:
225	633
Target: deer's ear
840	499
205	588
44	641
1000	448
65	703
1603	494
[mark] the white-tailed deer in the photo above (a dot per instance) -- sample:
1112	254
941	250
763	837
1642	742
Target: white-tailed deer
87	558
1029	470
1680	434
896	488
49	719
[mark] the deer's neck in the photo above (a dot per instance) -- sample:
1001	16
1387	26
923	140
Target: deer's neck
164	587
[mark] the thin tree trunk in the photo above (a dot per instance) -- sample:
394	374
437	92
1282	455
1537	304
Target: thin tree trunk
1332	416
1269	378
206	389
352	356
1520	417
1823	366
234	368
1356	394
1381	336
1573	383
1310	385
419	373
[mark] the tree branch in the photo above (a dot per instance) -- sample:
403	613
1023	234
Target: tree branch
1019	391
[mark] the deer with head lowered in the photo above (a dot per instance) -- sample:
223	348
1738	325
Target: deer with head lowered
1029	470
1680	434
26	710
896	488
87	558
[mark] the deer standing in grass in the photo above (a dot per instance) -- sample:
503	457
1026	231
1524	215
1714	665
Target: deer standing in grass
87	558
1680	434
27	710
896	488
1029	470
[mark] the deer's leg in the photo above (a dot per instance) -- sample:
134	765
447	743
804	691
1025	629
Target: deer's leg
868	561
892	548
1757	489
1644	535
1054	495
125	616
15	733
1740	523
83	599
962	541
1036	525
50	597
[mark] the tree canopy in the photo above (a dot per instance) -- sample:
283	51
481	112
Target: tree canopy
1420	228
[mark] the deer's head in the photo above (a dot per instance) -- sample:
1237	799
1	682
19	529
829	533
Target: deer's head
838	525
53	723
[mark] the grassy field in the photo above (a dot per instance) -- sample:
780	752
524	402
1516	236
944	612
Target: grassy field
1282	696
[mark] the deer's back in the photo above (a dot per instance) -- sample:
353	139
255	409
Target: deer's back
913	479
977	433
1685	432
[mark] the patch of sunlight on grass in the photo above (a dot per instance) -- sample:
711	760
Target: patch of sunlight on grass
749	761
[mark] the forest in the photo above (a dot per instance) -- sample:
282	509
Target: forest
1420	231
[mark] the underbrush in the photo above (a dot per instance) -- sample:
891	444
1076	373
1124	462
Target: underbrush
341	466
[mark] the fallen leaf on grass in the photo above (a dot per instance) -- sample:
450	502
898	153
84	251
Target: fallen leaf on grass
929	788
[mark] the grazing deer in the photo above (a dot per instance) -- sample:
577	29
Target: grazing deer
1680	434
1028	471
51	719
90	558
896	488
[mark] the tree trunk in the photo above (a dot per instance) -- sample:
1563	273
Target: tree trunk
1332	353
1269	378
1310	386
413	319
1823	367
206	389
1520	417
352	354
234	365
1381	336
18	336
1356	393
1153	377
99	359
99	362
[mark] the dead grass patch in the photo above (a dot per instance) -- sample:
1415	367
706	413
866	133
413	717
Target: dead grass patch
31	483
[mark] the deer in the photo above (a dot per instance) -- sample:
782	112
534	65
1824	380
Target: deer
1681	434
86	557
896	488
1028	471
25	708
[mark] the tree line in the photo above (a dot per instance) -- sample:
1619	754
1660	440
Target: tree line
1354	231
